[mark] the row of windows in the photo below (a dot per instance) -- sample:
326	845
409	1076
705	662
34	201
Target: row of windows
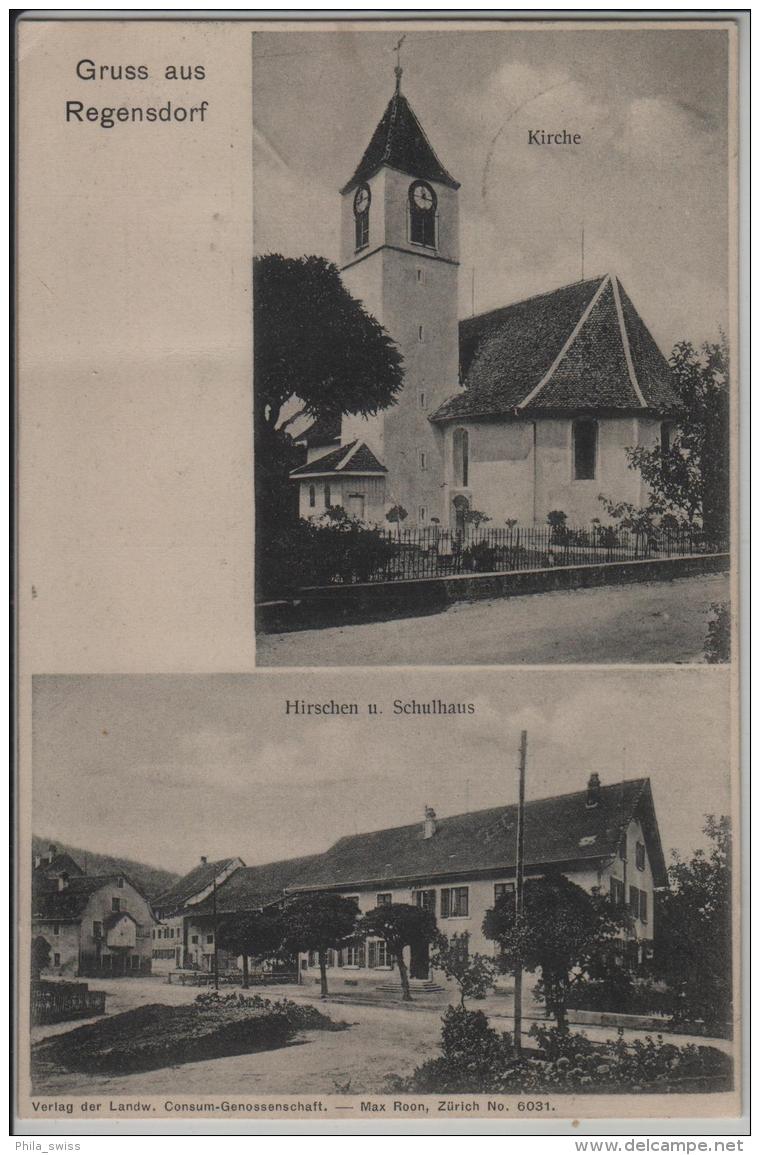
167	932
372	954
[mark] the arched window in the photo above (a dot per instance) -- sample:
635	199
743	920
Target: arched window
312	496
362	198
461	446
422	214
584	449
666	435
327	495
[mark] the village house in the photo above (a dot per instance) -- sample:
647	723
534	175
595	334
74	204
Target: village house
95	924
516	412
604	837
177	941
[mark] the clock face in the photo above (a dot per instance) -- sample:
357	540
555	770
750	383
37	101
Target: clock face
423	196
361	199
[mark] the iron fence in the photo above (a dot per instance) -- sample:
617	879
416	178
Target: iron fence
432	551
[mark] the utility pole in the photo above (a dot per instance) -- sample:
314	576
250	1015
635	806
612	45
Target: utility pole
473	290
216	943
583	255
519	881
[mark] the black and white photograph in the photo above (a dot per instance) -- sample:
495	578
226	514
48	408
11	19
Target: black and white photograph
491	346
245	909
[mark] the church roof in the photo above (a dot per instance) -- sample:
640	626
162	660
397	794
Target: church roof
559	831
356	457
580	348
399	141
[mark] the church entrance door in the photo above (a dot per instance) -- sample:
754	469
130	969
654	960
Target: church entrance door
461	505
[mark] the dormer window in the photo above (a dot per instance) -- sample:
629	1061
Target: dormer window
362	198
422	214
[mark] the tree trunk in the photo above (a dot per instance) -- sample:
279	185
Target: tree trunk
406	994
323	974
245	971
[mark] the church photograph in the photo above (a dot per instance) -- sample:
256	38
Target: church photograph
530	252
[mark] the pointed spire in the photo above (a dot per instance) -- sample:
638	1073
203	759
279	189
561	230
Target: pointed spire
398	70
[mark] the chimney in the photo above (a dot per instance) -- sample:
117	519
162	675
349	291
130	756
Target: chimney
204	860
63	880
593	791
430	825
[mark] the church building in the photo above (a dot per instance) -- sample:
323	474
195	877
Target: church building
515	412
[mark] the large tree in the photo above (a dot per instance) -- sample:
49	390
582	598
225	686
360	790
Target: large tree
401	925
562	931
319	922
689	477
693	939
317	353
256	934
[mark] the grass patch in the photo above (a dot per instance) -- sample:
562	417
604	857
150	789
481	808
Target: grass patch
156	1035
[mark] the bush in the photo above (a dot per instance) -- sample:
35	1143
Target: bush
306	553
478	558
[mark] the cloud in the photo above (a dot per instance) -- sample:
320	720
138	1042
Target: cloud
656	130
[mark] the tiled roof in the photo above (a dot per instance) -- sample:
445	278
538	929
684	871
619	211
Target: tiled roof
48	902
356	457
400	142
558	831
577	349
196	880
253	887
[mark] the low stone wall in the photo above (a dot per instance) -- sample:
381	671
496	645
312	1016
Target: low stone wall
377	601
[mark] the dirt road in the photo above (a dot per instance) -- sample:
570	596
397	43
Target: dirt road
647	622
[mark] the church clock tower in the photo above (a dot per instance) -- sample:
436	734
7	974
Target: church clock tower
400	257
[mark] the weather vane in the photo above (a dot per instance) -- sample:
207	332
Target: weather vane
398	69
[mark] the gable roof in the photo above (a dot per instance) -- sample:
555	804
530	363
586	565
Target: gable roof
580	348
558	831
399	141
323	431
60	863
193	882
253	887
356	457
48	902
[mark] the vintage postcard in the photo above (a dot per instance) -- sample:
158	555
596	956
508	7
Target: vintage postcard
379	735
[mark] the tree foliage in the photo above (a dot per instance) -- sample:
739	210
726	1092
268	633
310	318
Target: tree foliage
689	479
256	934
693	952
401	925
474	974
318	922
562	931
40	955
315	342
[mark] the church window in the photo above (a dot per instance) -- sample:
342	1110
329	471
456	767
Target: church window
420	276
423	459
423	402
584	450
422	513
327	495
312	496
666	435
461	457
422	214
420	332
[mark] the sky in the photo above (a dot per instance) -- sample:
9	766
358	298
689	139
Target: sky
164	769
648	185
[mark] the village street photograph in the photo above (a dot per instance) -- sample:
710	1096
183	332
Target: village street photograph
530	895
492	328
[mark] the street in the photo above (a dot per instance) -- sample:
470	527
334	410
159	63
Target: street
648	622
386	1037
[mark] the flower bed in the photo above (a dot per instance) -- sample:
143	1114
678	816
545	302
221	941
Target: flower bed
159	1036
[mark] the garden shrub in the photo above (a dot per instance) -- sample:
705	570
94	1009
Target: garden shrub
304	553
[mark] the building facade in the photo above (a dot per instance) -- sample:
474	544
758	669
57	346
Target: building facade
513	413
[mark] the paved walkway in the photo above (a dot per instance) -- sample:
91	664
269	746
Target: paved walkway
640	622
